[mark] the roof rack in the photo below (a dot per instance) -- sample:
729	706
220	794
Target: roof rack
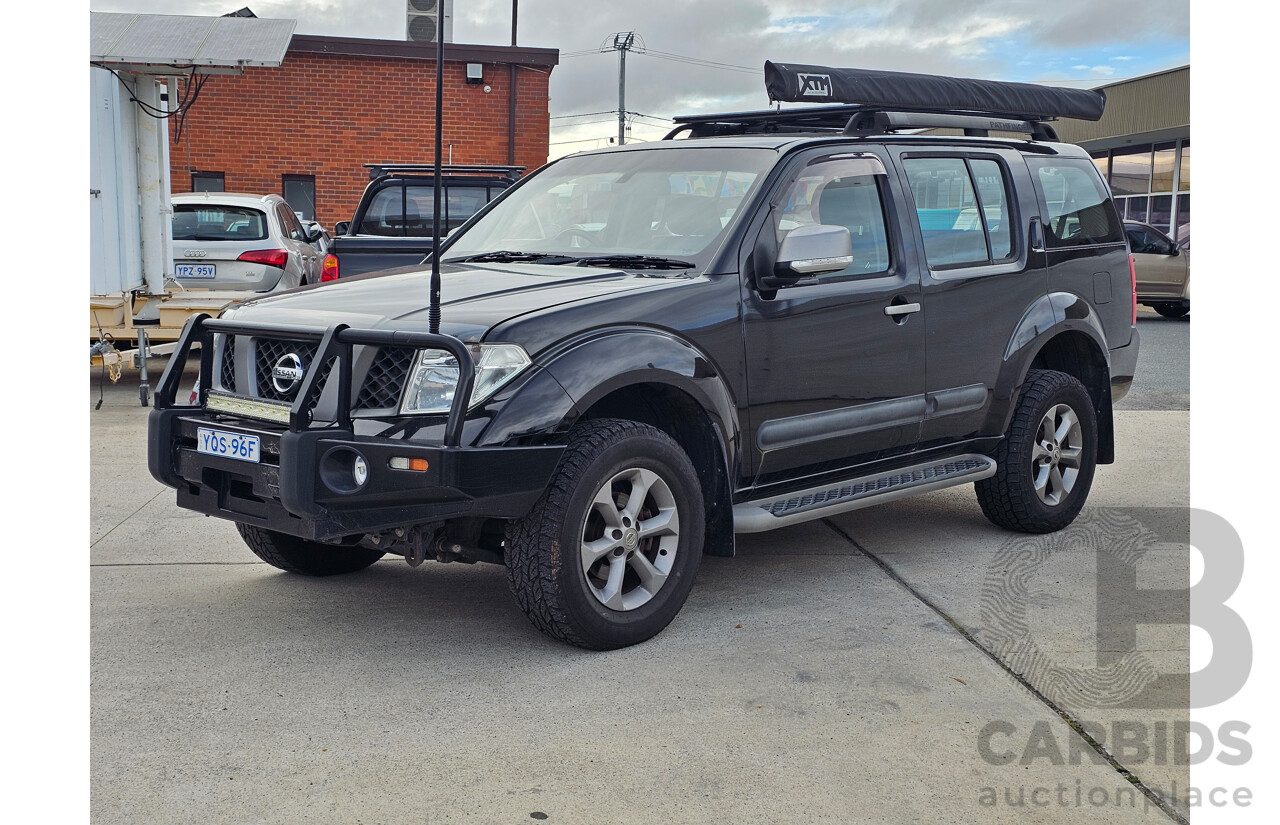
876	102
377	170
858	121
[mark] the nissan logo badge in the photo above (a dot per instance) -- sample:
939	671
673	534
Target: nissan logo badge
287	374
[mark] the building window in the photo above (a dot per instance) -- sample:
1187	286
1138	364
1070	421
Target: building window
208	182
300	192
1144	180
1131	170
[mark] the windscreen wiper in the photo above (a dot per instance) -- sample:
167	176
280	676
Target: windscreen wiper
634	262
506	256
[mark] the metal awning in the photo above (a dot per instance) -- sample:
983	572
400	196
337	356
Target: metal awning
163	43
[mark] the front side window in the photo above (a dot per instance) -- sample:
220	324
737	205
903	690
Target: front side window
839	192
1078	208
963	210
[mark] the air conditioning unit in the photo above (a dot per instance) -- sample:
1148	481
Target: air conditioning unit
423	18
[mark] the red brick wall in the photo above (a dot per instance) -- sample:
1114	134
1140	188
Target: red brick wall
325	115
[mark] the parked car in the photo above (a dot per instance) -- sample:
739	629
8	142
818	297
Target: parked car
1162	269
243	242
643	350
392	224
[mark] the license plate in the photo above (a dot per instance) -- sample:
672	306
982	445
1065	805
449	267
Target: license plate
195	270
229	445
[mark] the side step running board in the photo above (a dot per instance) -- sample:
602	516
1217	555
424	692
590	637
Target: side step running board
856	493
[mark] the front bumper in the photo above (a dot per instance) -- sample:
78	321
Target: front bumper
300	486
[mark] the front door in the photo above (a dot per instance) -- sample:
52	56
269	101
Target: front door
833	379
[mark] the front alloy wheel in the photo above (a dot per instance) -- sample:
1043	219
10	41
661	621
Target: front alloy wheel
630	539
607	556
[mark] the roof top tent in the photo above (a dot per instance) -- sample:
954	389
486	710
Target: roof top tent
876	102
131	56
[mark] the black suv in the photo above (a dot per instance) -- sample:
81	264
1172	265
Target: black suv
771	317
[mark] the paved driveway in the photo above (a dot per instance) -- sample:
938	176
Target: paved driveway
906	663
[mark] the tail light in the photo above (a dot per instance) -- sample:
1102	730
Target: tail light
271	257
1133	290
329	269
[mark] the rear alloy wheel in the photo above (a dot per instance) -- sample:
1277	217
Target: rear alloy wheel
608	555
1171	309
1045	464
307	558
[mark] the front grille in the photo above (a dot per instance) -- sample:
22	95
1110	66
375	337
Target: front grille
229	363
271	350
385	380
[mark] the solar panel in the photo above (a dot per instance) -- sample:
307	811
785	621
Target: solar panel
179	40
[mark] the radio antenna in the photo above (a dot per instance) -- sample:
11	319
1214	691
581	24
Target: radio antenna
433	313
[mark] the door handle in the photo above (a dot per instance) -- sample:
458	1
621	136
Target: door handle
901	309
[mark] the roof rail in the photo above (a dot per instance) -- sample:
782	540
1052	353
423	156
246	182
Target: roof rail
377	170
858	121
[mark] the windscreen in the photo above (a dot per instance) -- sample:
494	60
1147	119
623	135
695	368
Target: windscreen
210	222
667	202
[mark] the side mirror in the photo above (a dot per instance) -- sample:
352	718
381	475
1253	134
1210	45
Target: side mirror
807	251
342	227
314	231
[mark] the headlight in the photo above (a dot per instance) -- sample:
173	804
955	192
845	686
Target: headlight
434	377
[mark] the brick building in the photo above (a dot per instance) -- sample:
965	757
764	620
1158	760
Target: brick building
304	129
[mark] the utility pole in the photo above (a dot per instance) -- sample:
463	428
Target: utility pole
623	42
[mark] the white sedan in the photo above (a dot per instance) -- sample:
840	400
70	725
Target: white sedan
243	242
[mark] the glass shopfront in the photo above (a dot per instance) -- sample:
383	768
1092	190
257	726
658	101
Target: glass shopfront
1152	183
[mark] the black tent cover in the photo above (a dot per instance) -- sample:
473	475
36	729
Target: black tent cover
796	83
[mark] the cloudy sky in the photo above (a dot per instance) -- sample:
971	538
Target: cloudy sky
706	55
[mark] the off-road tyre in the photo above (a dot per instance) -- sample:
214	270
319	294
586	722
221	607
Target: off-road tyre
544	550
1171	309
1009	498
306	558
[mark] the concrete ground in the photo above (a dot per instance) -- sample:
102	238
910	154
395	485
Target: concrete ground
905	663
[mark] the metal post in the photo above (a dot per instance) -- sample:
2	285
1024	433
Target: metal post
622	94
151	183
623	42
144	388
511	103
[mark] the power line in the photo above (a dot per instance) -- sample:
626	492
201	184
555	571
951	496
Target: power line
584	114
705	64
585	123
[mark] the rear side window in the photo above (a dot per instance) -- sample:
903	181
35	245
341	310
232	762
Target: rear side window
1078	207
963	209
208	222
408	210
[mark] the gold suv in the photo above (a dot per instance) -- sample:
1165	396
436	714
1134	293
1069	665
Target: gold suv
1163	269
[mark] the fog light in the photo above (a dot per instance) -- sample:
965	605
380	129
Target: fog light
360	471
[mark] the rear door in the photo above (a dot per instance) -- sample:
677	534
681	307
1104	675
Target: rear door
304	266
980	276
833	380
